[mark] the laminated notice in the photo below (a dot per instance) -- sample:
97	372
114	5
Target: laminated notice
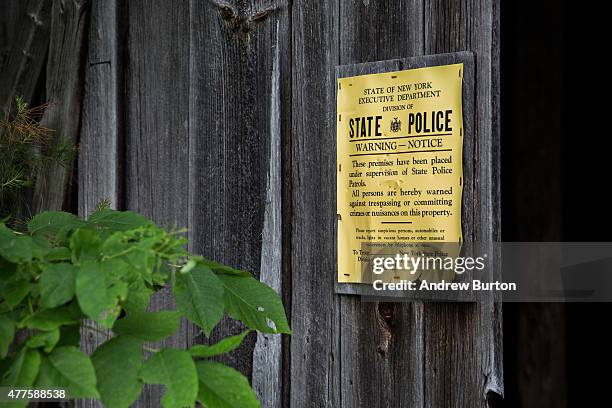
399	164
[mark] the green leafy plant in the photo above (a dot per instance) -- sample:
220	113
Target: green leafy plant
24	151
66	272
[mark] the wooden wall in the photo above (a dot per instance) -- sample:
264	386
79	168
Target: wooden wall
216	115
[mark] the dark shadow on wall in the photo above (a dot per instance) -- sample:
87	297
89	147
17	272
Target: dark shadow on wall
555	172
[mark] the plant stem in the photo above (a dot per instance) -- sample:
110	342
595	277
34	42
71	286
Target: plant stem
99	331
125	252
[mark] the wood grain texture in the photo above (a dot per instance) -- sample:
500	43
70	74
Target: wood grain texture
315	309
213	92
63	91
379	342
100	152
465	341
23	65
156	139
24	62
12	10
267	355
396	347
235	97
100	144
386	354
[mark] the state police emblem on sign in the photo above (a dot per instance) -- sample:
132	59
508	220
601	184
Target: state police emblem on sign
396	125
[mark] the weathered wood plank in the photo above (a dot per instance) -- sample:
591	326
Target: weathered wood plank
385	341
465	341
380	342
236	99
315	309
64	80
100	141
267	355
12	10
24	62
385	345
101	144
156	140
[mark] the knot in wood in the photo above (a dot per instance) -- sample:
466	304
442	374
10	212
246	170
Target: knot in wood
236	20
226	13
384	317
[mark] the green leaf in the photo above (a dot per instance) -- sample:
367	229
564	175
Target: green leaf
70	368
224	346
24	369
117	363
96	300
51	319
7	333
117	292
58	254
199	296
7	239
56	284
47	340
91	290
14	292
20	249
255	304
154	326
224	387
85	245
21	374
174	369
50	222
6	235
7	270
5	364
189	266
138	297
70	335
223	269
118	220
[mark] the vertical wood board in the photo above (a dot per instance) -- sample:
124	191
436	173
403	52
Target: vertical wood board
237	93
157	129
428	346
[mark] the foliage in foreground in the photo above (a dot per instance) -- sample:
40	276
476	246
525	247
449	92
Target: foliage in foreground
65	272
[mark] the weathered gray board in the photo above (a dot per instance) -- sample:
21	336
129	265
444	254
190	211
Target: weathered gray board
24	57
185	118
385	354
467	208
239	72
189	133
156	127
63	91
100	153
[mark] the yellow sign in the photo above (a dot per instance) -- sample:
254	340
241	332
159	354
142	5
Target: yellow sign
399	174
